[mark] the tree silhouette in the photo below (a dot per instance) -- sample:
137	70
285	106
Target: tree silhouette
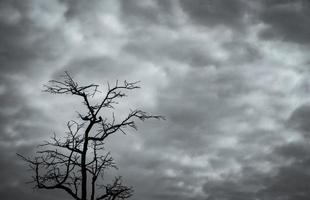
77	162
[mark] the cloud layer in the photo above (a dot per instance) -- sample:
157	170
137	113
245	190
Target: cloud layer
231	77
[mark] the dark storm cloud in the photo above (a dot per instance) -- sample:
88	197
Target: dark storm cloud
96	66
184	51
291	181
286	20
27	37
288	181
158	42
300	119
147	13
215	13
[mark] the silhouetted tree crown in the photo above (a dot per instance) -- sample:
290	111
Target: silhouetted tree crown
77	162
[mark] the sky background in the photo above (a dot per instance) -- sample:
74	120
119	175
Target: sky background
231	77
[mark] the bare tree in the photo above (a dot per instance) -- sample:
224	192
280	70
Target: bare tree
77	163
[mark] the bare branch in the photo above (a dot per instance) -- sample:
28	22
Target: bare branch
116	191
69	86
107	129
114	93
67	163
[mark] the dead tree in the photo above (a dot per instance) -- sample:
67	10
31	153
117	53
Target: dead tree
77	163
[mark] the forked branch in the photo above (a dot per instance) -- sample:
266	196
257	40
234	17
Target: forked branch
79	157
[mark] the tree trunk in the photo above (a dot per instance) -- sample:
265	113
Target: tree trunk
83	163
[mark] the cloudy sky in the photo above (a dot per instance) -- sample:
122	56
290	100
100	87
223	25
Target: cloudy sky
231	77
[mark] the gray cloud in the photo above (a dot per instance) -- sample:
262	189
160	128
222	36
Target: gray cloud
147	13
295	174
215	13
289	181
286	20
181	51
300	119
27	37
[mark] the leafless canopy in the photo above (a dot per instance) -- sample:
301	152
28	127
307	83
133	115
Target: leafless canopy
77	162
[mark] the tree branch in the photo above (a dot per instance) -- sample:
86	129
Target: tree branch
67	163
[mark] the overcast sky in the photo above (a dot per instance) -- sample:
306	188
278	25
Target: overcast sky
231	77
